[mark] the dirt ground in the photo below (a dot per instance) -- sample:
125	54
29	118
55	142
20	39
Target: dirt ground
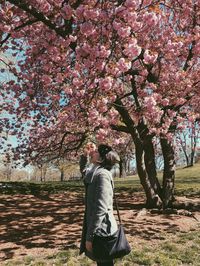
35	225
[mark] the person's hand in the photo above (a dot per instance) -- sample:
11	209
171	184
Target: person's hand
88	245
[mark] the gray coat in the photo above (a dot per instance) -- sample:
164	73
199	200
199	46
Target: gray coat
98	216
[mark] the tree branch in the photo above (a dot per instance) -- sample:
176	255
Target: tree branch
39	16
189	57
120	128
29	22
190	54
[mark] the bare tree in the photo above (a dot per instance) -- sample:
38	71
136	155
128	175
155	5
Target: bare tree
188	141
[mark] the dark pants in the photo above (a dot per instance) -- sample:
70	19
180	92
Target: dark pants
108	263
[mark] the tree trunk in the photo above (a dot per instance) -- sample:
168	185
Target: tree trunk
128	166
123	173
41	175
152	198
138	134
193	149
186	156
61	175
169	172
44	176
150	165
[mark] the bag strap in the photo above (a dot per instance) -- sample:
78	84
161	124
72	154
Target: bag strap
116	203
117	207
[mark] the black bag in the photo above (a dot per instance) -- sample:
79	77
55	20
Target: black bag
110	247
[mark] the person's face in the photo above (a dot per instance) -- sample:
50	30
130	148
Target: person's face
94	155
89	148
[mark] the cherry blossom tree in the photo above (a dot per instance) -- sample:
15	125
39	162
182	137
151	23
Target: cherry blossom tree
106	67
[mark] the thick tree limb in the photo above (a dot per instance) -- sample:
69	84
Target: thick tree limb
189	57
120	128
39	16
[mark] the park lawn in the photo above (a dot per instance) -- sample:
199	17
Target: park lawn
187	183
176	250
169	249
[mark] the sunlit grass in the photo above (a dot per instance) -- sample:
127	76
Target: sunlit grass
175	250
187	183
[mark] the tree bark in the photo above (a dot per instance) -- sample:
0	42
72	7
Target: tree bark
150	165
169	172
144	161
149	161
61	175
152	198
193	149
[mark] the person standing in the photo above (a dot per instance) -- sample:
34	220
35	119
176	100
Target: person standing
98	217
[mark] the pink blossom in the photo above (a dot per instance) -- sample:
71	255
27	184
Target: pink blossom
67	12
130	3
101	134
116	25
103	52
150	19
130	18
68	90
106	83
102	108
150	58
87	28
124	32
149	102
165	102
132	50
45	7
91	14
100	65
105	41
30	91
105	122
77	82
6	28
171	113
56	97
192	118
180	101
124	65
46	79
105	101
80	12
59	78
80	93
93	114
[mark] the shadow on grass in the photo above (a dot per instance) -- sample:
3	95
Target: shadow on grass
54	222
49	216
51	222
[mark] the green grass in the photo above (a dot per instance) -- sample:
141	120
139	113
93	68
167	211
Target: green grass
34	188
66	257
175	250
179	249
187	183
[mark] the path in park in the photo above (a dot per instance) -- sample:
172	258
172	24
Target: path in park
33	225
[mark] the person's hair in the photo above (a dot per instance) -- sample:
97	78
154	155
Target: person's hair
109	157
